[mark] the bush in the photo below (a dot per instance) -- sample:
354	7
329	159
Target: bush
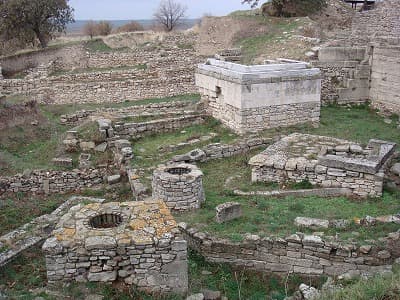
292	8
103	28
130	27
92	28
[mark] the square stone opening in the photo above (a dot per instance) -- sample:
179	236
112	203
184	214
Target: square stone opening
178	171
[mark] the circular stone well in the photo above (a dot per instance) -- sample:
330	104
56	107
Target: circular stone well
179	185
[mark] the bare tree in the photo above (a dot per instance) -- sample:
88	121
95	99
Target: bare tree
90	29
169	14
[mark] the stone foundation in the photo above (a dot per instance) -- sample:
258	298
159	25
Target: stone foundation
136	242
325	161
306	255
179	185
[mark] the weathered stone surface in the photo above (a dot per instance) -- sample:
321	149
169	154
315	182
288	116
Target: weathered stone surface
198	296
137	242
326	162
87	146
179	185
228	211
396	169
311	223
211	295
253	109
103	276
100	242
101	147
114	179
308	292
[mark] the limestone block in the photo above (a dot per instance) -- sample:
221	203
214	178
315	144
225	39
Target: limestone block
311	223
228	211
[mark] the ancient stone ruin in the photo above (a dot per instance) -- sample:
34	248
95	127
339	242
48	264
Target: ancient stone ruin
179	185
136	242
252	98
325	161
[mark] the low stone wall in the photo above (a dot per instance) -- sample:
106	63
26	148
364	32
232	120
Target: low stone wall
136	130
113	86
154	108
50	182
300	254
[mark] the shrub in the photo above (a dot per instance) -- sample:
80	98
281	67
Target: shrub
103	28
130	27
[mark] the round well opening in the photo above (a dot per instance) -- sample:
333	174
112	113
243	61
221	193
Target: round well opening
178	171
105	221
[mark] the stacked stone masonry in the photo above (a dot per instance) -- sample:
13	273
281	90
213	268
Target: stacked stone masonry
50	182
253	98
326	162
146	73
162	109
306	255
137	242
136	130
180	186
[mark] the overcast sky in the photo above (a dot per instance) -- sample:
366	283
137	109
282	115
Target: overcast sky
143	9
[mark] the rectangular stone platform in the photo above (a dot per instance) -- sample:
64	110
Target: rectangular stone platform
252	98
325	161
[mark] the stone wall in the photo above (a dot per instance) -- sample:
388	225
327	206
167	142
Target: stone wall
300	254
51	182
111	86
385	78
136	130
383	21
346	74
114	76
162	109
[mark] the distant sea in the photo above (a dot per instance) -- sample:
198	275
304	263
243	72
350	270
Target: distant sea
76	28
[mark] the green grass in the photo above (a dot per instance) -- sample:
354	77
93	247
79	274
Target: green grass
254	45
148	147
275	216
34	147
22	208
98	45
94	70
380	287
357	123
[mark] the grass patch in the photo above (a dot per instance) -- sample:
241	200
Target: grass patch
380	287
268	216
21	208
253	44
147	149
98	45
358	124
